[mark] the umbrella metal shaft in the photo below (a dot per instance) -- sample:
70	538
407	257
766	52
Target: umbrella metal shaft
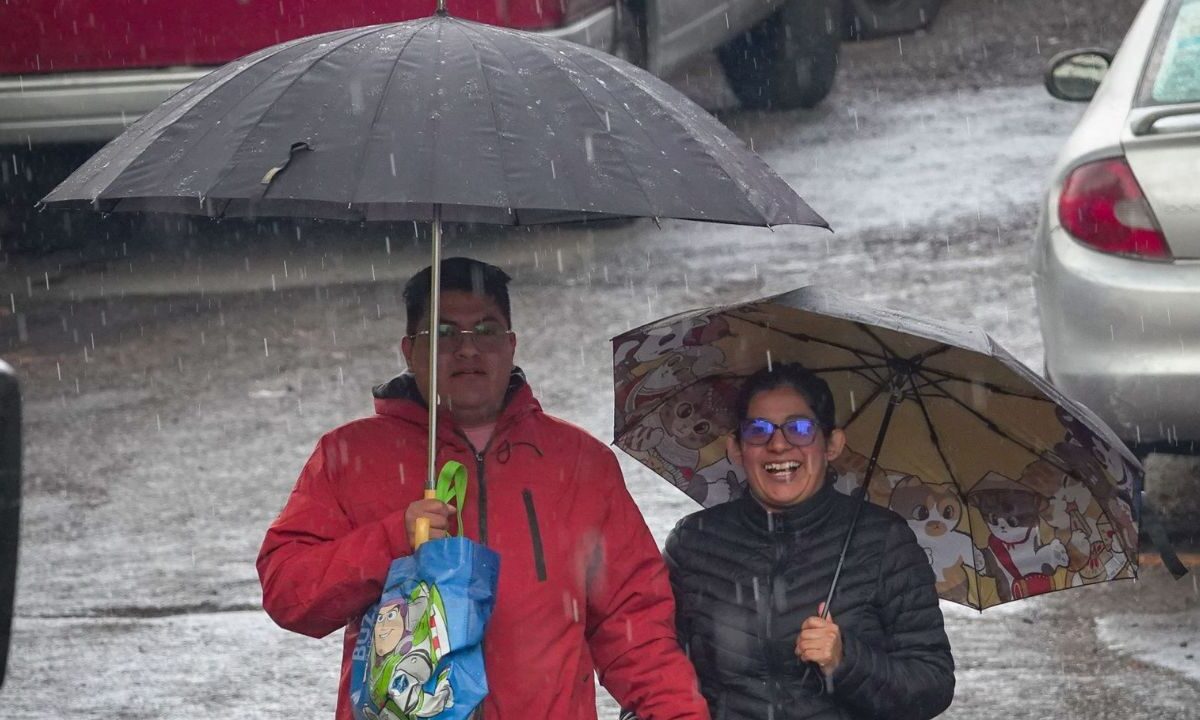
895	400
421	527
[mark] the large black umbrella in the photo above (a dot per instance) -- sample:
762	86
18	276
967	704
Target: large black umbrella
433	120
392	121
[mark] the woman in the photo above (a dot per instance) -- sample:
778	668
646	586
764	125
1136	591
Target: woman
750	577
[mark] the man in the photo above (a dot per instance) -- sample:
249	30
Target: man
582	586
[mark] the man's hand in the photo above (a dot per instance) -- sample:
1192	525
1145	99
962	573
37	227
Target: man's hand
820	642
438	513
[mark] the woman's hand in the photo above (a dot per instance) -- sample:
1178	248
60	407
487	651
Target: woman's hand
820	642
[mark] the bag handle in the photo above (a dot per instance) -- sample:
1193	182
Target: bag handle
451	484
451	488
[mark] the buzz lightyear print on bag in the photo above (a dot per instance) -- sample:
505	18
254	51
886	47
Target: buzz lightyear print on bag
418	652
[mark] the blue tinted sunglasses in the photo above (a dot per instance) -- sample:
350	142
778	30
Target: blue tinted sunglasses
798	431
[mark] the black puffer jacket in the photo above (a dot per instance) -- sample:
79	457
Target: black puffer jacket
745	581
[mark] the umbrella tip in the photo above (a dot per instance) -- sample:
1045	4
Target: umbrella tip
441	8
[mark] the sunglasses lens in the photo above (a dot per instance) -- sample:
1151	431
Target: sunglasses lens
757	431
800	431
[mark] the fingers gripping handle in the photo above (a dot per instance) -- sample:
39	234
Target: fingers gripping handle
450	488
421	526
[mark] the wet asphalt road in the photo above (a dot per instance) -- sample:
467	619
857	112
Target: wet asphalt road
177	379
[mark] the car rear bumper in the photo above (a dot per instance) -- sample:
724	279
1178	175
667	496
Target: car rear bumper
97	106
1123	337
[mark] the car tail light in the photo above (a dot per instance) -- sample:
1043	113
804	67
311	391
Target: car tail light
1103	207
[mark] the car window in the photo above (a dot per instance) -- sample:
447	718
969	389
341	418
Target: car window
1173	75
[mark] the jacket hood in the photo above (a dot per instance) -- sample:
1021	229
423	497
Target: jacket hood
400	398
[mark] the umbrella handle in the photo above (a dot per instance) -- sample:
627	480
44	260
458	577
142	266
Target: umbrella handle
421	526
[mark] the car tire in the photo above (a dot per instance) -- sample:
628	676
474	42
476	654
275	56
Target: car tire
788	60
867	19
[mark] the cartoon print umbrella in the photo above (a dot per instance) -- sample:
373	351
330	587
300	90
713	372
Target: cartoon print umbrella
433	120
1012	489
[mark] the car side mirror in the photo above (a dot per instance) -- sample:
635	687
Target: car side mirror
10	502
1075	75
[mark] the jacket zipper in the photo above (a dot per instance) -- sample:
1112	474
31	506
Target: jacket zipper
773	669
535	534
479	455
483	536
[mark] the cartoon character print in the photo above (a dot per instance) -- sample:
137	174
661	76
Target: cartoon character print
681	439
1015	555
851	468
933	512
665	358
409	638
1073	512
719	482
1110	478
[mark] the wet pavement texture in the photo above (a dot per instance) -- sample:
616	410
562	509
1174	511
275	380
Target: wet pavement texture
178	373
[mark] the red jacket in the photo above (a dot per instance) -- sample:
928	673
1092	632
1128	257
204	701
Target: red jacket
582	584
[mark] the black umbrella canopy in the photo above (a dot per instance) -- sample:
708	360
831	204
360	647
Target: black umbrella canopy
385	122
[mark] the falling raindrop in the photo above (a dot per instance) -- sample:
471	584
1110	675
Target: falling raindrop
266	350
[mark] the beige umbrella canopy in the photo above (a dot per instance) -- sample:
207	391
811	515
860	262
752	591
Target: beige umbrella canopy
1012	488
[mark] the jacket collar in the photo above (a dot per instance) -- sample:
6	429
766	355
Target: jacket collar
400	398
797	518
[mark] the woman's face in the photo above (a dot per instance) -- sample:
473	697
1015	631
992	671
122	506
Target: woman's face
780	474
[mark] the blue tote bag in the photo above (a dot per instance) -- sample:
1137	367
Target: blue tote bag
419	652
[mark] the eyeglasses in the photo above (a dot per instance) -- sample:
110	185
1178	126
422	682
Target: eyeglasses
798	431
489	336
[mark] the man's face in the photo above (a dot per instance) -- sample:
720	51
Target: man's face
471	380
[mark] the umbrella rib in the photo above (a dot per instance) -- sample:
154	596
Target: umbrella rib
603	58
606	59
983	419
471	32
351	36
993	387
383	96
933	433
809	338
855	414
596	112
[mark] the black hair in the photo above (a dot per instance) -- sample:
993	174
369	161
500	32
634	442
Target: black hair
458	273
797	377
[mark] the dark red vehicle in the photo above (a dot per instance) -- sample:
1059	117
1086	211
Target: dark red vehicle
82	70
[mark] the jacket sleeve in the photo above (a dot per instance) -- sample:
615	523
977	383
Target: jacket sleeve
631	614
912	677
317	570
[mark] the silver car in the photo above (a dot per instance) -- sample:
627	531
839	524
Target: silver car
1117	255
